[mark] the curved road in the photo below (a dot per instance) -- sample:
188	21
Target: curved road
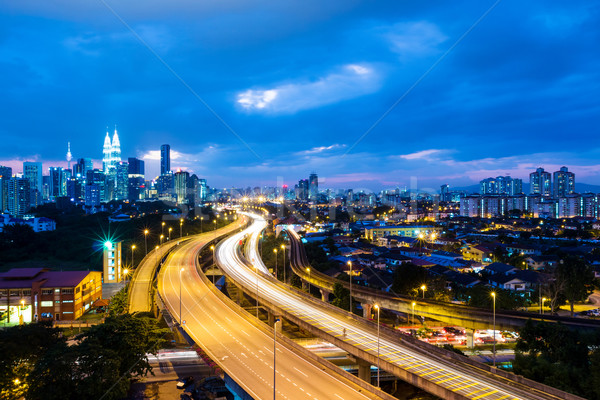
460	380
242	349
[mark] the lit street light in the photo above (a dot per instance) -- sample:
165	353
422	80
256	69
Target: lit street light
180	227
162	228
180	271
161	238
283	248
125	272
146	240
308	270
212	247
494	305
423	288
275	251
413	316
275	356
542	306
132	260
170	229
376	307
201	229
350	265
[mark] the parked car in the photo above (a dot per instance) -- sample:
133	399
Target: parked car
185	382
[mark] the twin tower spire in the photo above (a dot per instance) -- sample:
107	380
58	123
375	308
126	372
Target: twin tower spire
111	153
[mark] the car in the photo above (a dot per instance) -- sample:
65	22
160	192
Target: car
185	382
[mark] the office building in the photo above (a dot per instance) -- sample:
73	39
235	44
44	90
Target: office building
539	182
165	159
137	183
181	186
95	188
313	182
564	182
33	172
34	294
5	172
17	196
122	181
57	184
81	168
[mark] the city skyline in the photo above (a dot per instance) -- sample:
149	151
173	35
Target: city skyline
300	84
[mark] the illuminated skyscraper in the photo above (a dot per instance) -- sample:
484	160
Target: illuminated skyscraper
313	188
539	182
564	182
165	159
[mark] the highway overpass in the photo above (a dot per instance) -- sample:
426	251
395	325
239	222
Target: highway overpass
243	346
448	313
444	374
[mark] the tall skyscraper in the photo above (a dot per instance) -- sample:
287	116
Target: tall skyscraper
539	182
32	171
5	172
57	184
137	183
69	155
82	167
18	196
111	153
181	186
564	182
165	159
106	154
122	181
313	182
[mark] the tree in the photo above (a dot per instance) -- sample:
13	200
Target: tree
341	296
409	277
576	279
21	347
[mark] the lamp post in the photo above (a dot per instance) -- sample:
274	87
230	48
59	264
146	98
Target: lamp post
180	228
308	270
125	272
161	239
423	288
494	311
413	316
542	306
376	307
201	219
283	248
170	229
212	247
21	312
275	251
350	265
132	260
180	271
162	228
146	240
275	356
215	225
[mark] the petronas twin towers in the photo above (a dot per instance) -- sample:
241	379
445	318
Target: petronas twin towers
111	153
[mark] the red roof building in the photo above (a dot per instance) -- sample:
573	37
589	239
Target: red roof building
32	294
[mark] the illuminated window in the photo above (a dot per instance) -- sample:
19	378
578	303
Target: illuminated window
46	304
47	291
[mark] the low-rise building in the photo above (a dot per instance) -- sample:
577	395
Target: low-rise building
32	294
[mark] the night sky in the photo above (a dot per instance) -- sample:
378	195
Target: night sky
252	93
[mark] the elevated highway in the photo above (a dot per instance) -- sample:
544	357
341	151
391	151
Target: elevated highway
449	313
243	346
140	290
439	372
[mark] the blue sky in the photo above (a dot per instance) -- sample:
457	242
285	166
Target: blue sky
252	93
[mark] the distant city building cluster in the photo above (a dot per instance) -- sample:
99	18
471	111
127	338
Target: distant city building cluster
89	187
550	196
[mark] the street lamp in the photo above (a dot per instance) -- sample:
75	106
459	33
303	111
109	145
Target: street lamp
423	288
283	248
212	247
215	225
308	270
350	265
125	272
132	260
542	306
494	308
180	227
376	307
162	228
413	316
146	232
170	229
180	271
275	251
201	219
275	356
21	312
161	238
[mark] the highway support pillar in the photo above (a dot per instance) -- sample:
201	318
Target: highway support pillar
272	318
470	333
324	295
367	310
364	370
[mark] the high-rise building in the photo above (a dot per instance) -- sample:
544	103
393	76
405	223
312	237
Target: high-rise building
564	182
181	186
122	181
501	185
445	192
302	189
165	159
111	157
106	153
82	167
539	182
313	182
32	171
5	172
56	183
202	189
18	196
96	194
137	183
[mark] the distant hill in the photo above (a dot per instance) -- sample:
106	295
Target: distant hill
579	187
